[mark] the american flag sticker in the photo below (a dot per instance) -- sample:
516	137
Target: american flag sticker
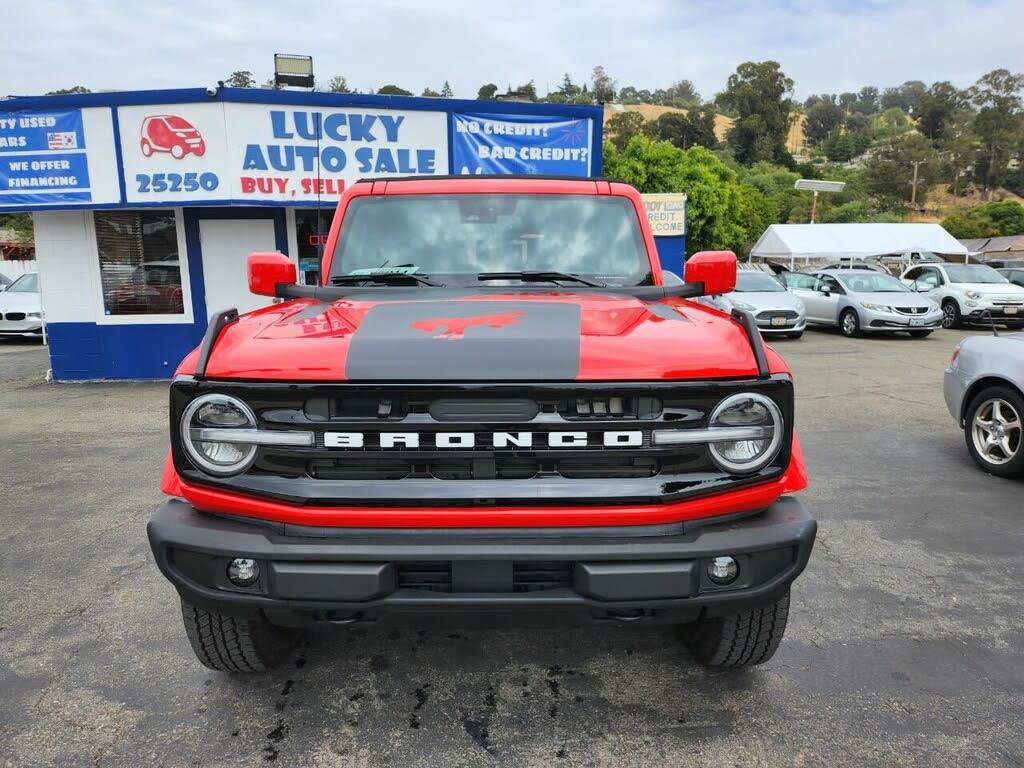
62	140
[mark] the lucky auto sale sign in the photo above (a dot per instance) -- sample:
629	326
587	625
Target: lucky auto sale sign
231	152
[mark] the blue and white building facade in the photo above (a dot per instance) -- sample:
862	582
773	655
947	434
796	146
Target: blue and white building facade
146	204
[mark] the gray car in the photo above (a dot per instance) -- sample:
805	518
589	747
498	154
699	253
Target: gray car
776	311
984	389
863	301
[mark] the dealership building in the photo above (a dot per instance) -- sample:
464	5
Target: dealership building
147	203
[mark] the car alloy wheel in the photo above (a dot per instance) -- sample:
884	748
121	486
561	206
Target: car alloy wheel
996	430
849	323
950	315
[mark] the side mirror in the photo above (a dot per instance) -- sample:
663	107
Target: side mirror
715	269
268	270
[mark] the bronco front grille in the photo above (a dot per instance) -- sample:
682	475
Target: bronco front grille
463	445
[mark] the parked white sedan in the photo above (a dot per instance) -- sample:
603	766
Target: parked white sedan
21	311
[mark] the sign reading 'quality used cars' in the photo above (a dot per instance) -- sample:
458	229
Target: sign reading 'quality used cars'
264	153
42	158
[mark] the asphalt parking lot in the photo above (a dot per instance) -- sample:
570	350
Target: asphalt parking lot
904	647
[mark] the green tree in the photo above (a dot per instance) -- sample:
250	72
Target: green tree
853	212
840	148
568	89
867	101
775	184
963	228
824	117
446	91
623	126
680	94
72	91
718	214
430	93
904	97
889	170
393	90
629	95
20	223
1006	217
999	125
759	94
486	92
695	128
240	78
936	108
338	84
604	86
892	122
528	90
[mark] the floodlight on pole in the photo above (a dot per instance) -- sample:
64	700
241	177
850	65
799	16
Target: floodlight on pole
816	186
292	69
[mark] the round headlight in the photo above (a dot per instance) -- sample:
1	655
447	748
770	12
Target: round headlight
747	409
207	414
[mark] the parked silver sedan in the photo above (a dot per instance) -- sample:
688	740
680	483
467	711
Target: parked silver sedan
863	301
776	311
984	389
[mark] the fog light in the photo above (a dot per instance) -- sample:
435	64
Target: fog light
723	570
243	572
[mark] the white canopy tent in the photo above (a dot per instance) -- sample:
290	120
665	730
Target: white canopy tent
817	242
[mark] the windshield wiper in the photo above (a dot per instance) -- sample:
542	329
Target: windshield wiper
540	277
388	278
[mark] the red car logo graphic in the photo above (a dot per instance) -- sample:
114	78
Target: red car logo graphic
455	327
170	133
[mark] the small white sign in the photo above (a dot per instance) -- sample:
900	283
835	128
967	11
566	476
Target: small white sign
666	214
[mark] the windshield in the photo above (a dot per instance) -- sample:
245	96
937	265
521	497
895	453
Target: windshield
973	273
757	282
25	284
871	282
178	124
456	237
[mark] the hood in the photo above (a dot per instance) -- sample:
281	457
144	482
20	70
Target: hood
1009	290
761	300
20	301
893	299
448	336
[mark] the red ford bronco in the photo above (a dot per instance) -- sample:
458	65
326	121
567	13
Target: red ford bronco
495	406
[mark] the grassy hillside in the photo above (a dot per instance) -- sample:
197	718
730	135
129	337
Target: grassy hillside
795	142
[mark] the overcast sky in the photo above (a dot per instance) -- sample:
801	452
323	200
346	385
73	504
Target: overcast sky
824	46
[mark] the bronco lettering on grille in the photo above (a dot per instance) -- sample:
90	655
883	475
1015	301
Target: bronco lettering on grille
633	438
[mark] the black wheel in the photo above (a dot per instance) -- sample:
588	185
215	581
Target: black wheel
849	323
951	317
232	644
741	640
796	335
992	428
920	334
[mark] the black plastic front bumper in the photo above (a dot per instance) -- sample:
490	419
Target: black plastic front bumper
642	573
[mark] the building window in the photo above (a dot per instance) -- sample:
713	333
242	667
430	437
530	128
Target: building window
139	263
311	228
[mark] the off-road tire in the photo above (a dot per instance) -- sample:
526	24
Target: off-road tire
920	334
233	644
741	640
951	317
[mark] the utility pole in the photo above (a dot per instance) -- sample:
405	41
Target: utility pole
814	206
913	188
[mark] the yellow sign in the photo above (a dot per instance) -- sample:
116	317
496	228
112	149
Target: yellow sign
666	214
